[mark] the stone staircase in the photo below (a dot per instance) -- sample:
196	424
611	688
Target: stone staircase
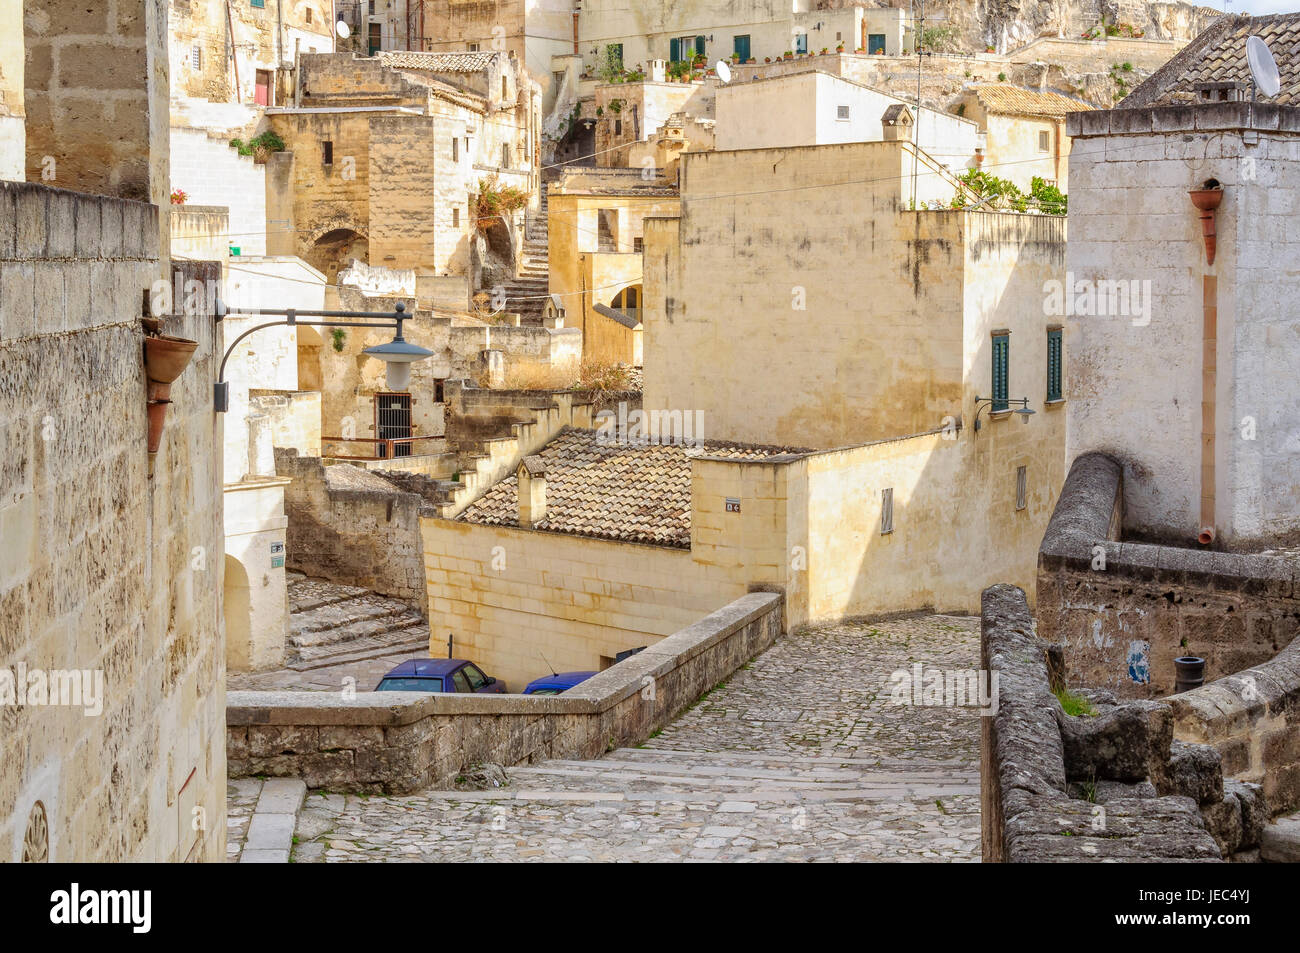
654	774
330	624
525	292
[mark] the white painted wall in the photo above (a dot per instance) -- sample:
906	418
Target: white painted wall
268	359
802	110
211	172
1134	390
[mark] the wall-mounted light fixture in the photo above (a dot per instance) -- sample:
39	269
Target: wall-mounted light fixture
987	402
398	353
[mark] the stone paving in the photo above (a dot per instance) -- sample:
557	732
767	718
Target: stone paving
800	756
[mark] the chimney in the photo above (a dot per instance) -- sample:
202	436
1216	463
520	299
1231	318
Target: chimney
658	71
532	491
896	123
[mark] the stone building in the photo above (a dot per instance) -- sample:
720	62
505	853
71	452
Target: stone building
1024	132
112	711
385	156
244	51
596	233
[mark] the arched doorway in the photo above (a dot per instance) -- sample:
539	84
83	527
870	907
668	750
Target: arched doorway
237	611
629	302
331	252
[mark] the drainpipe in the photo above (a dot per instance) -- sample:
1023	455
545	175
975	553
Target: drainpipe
1206	200
234	51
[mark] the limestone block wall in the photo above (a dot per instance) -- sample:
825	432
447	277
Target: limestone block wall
294	418
211	172
1123	611
92	73
105	567
353	529
200	232
401	742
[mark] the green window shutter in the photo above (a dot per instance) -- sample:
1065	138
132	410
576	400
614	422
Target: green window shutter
1054	364
801	43
740	46
674	50
1001	356
699	45
259	3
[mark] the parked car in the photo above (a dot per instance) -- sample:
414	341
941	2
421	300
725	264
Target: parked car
555	683
440	675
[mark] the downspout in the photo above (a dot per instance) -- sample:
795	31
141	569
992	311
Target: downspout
234	52
1207	199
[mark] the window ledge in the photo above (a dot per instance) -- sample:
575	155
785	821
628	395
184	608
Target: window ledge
1054	403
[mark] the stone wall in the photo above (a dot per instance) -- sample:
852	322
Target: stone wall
401	742
350	527
1123	610
1253	719
1108	786
212	172
103	565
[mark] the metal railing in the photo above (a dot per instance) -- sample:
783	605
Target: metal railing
391	448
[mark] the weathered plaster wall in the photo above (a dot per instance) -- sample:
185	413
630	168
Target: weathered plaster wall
1131	220
103	566
210	172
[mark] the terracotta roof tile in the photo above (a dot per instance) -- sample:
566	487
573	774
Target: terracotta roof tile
1015	101
630	492
467	62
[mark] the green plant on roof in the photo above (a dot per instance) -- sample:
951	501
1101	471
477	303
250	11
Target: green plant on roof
1073	704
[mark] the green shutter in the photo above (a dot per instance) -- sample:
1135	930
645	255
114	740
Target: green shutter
1054	364
699	46
259	3
1001	355
740	46
674	50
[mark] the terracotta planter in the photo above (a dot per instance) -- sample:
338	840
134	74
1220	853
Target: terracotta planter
165	357
157	418
1207	202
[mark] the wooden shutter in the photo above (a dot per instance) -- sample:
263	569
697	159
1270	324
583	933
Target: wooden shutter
1054	364
886	511
1001	355
674	49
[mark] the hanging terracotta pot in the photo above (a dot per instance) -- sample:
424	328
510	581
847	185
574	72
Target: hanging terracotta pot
1206	200
166	357
157	418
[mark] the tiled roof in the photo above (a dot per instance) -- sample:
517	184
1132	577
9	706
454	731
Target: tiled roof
1015	101
629	492
467	62
1218	55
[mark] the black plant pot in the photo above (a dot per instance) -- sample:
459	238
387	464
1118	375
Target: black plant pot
1190	671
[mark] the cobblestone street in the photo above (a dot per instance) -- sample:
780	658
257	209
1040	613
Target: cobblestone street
799	756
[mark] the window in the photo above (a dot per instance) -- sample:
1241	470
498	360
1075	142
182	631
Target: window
505	155
638	244
842	113
740	46
1054	364
886	511
1022	487
327	152
607	230
455	149
618	127
461	682
196	57
376	40
372	8
614	56
393	422
471	47
257	3
1044	141
505	88
1001	358
875	43
685	48
476	678
308	13
801	43
455	217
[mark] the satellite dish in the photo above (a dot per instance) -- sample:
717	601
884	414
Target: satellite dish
723	70
343	30
1263	68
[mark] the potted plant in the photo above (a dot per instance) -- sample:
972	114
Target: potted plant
787	55
880	52
751	60
767	59
840	48
179	196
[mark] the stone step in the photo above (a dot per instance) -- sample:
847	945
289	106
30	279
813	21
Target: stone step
652	753
410	641
359	616
308	594
732	774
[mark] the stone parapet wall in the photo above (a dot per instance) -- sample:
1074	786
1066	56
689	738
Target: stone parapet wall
1124	611
1253	719
1109	785
402	742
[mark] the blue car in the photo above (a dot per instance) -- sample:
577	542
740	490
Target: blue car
440	675
556	683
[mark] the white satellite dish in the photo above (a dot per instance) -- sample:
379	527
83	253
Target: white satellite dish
343	30
1263	68
723	70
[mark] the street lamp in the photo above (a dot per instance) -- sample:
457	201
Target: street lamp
398	353
982	402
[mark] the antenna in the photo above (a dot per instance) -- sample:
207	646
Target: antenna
1263	68
723	71
548	664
